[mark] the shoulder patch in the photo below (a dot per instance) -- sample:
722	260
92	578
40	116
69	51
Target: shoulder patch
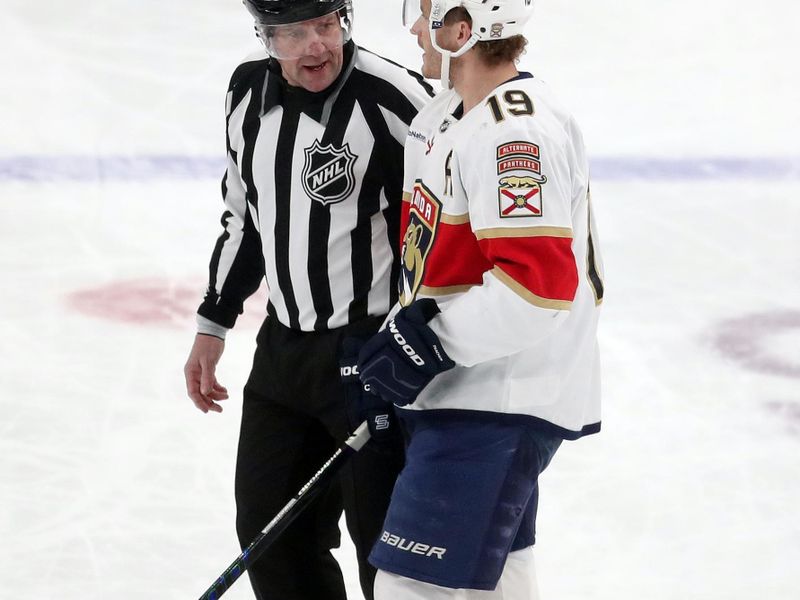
521	180
518	156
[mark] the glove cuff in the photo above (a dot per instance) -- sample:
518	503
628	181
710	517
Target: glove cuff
421	311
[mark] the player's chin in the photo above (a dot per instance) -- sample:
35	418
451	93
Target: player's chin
431	71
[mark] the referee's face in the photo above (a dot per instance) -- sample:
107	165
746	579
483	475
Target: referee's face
321	56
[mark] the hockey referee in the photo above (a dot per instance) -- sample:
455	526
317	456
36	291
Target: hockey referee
315	135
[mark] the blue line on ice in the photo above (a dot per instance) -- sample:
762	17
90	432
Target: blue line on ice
84	168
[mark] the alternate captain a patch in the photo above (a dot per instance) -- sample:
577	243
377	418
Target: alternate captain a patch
521	180
328	173
423	221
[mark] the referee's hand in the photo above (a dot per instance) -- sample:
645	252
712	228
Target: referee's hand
201	382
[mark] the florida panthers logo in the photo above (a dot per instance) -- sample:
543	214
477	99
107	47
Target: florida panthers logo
423	220
413	262
328	173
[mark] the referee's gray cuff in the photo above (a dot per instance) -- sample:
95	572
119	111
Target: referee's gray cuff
208	327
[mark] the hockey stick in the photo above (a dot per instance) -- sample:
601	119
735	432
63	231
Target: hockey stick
288	513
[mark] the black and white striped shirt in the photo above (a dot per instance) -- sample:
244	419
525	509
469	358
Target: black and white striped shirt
312	193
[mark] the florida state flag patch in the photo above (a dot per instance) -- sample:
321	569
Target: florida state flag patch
520	196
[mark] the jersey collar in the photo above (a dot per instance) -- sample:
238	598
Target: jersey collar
278	92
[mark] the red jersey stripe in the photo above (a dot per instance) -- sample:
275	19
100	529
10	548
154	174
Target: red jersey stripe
544	266
455	259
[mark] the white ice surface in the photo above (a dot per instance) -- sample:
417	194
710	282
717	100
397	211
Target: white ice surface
113	486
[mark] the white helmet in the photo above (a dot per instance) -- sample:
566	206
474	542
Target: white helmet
491	20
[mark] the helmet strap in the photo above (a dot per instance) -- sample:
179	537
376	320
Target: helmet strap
445	76
448	54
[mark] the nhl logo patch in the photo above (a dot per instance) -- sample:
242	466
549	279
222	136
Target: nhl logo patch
328	173
520	196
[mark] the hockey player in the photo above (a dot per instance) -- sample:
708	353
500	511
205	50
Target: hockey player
313	188
492	359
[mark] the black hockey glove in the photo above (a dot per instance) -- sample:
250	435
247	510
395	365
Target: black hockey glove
361	404
399	361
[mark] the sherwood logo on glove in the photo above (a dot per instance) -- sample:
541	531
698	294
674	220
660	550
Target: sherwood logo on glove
412	546
401	341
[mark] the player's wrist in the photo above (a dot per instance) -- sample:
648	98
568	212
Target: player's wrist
418	345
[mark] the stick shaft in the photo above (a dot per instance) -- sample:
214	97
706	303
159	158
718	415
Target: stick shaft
287	514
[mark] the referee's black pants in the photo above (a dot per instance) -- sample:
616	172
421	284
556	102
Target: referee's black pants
294	416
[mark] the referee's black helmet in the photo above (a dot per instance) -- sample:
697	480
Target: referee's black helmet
281	12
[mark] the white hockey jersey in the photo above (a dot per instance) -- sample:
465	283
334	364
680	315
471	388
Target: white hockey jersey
498	229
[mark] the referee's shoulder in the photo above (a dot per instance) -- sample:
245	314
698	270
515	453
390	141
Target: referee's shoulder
408	83
252	66
247	76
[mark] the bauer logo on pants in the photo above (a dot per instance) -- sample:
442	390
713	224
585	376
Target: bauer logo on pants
411	546
328	174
